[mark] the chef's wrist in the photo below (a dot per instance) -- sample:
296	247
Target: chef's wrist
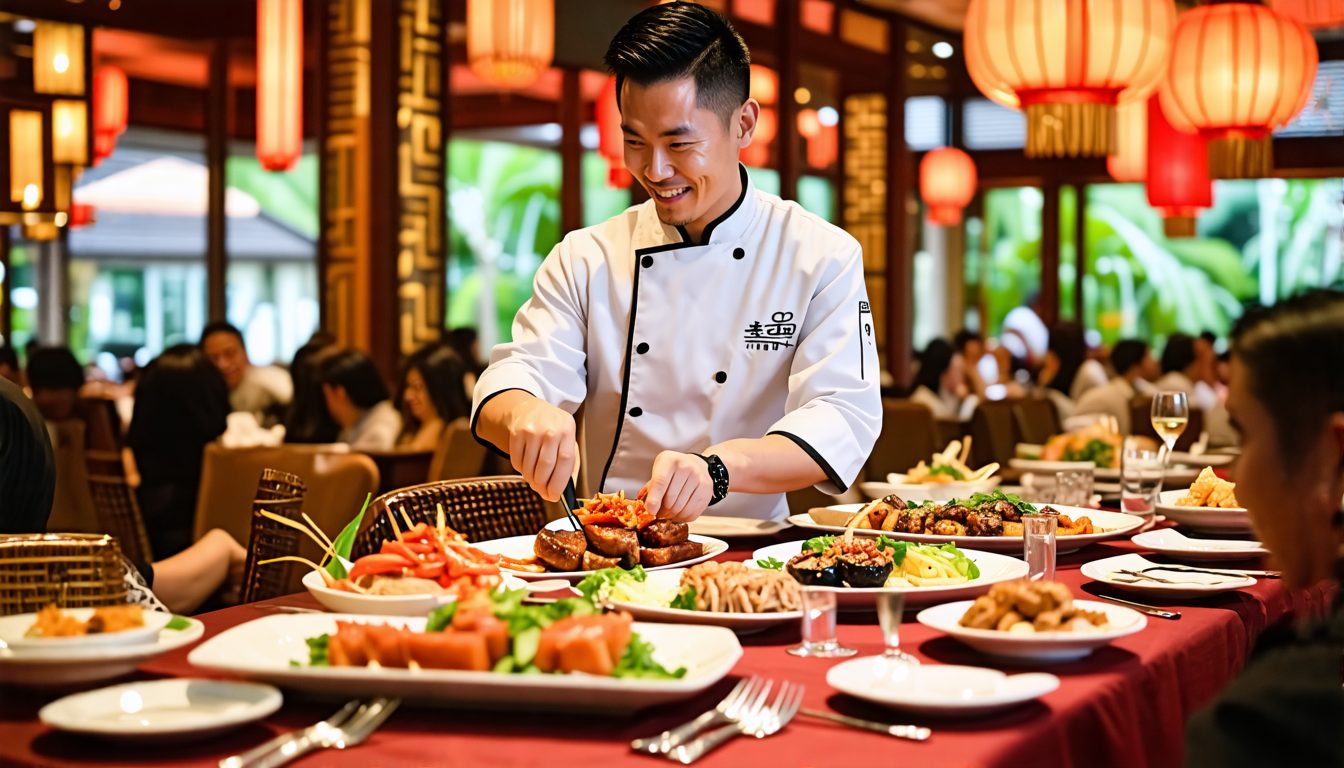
718	477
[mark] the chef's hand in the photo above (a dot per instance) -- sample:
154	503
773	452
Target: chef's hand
679	488
541	446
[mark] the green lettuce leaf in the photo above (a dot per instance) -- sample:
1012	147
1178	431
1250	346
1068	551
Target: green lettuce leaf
346	541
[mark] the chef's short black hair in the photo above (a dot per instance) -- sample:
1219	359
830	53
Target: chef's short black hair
1128	353
669	42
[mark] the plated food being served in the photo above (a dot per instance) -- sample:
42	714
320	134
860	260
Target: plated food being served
990	521
1033	621
1210	490
106	643
54	628
725	594
53	622
944	475
1210	504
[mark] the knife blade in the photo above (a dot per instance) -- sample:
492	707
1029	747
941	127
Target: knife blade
1141	608
911	732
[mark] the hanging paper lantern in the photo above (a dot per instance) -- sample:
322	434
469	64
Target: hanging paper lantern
1178	173
279	83
947	182
764	84
70	131
58	58
610	139
26	148
1129	162
510	42
824	148
1318	14
758	152
1238	71
109	109
1066	63
82	215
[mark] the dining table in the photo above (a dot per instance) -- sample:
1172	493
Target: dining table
1126	704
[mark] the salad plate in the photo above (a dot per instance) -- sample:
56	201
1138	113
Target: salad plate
1172	543
937	689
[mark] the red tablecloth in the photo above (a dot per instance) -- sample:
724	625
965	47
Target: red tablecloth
1125	705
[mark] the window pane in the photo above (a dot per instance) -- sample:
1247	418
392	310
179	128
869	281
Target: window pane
925	122
991	126
1323	115
22	279
1009	272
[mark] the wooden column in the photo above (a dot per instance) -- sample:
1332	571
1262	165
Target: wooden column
571	152
787	140
383	214
216	157
900	181
1080	251
6	286
1050	253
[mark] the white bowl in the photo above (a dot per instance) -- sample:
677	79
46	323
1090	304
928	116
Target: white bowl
12	629
937	689
735	527
1185	585
176	709
1173	543
994	568
90	664
1040	646
1214	519
341	601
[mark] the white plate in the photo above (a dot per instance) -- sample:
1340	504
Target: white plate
12	629
1173	543
1201	460
1187	584
994	568
735	527
1116	524
1216	519
176	709
925	491
87	665
383	605
1041	646
937	689
1039	465
738	622
520	547
272	642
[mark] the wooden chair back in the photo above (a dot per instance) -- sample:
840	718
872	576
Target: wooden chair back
400	468
994	435
909	435
459	455
72	508
1037	419
102	424
280	493
479	507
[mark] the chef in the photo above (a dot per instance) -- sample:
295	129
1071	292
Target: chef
716	340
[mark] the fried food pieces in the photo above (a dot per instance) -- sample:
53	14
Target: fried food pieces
1210	490
1026	607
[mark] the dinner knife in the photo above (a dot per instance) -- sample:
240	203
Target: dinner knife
911	732
1141	608
1214	571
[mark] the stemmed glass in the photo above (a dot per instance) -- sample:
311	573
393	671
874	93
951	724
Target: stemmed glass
1171	412
897	663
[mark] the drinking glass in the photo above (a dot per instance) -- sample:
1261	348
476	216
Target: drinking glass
890	611
1073	487
819	611
1039	487
1141	473
1171	411
1038	546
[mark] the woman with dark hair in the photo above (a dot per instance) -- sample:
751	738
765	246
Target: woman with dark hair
307	420
357	399
181	405
431	396
1287	401
27	467
940	383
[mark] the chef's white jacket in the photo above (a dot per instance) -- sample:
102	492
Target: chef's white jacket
762	328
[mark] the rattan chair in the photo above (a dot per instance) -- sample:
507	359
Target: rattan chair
280	493
994	432
1037	419
68	569
114	504
909	435
480	507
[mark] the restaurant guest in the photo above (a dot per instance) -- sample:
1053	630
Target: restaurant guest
940	383
181	405
467	344
307	419
1068	373
1135	369
1183	370
9	365
431	396
981	367
718	339
55	378
358	401
1287	705
27	466
263	391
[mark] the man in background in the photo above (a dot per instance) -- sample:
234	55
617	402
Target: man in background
1135	369
261	391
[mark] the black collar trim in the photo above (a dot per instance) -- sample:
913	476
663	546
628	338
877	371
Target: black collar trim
709	229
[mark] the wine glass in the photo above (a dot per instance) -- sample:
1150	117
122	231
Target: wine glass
1171	412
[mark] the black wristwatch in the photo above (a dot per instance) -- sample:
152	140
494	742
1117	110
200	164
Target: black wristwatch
719	474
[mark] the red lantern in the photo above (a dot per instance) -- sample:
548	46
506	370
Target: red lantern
824	148
510	42
1238	71
1178	173
758	152
279	83
1129	161
82	215
947	182
1318	14
1066	62
109	109
610	139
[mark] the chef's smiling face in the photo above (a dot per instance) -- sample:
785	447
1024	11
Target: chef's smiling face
683	153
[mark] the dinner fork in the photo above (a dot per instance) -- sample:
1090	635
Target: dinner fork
335	721
760	722
729	710
353	733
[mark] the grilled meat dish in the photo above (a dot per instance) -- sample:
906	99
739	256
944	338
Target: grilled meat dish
955	512
595	562
560	550
861	563
984	524
652	557
947	527
814	570
663	533
1006	511
620	543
